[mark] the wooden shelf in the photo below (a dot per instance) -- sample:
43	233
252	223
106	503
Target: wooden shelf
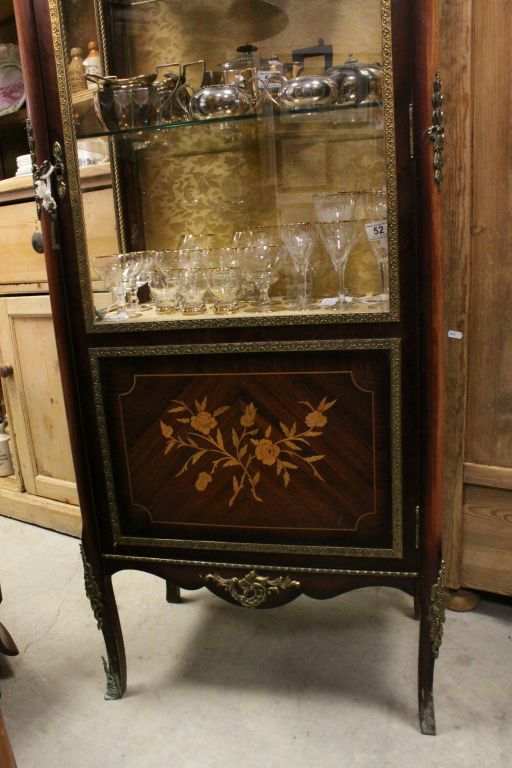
21	188
13	119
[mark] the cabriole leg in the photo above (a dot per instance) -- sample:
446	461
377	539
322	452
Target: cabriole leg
98	588
173	593
431	633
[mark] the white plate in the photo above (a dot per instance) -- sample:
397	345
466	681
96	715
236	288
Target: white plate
12	91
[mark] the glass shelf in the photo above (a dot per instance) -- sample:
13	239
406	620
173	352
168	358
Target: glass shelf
345	122
319	311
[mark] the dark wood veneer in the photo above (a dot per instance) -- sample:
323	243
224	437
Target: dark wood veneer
420	336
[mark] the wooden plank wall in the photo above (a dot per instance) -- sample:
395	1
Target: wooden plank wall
477	49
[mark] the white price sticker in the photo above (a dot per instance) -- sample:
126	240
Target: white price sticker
376	230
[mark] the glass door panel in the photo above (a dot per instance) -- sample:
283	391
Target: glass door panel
250	175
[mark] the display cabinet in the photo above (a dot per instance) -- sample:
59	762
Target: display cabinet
259	410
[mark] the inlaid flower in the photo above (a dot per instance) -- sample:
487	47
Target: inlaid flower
267	451
204	422
202	481
316	419
248	416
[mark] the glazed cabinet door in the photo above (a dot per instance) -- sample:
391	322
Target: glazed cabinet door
253	384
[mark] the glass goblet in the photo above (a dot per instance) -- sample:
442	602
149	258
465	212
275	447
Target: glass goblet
107	267
130	265
164	286
224	285
261	263
375	206
299	241
334	206
338	238
193	286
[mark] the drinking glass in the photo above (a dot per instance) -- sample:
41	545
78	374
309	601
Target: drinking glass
224	285
261	263
131	265
299	241
193	287
375	207
164	285
338	238
335	206
142	278
118	273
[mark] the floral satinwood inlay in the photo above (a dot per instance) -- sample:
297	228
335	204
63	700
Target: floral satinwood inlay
252	449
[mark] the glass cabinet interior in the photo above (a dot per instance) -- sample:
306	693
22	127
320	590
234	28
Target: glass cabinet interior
253	166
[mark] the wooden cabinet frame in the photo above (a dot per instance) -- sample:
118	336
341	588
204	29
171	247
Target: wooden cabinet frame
266	578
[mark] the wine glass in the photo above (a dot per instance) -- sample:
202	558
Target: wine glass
117	272
130	265
338	238
375	208
141	279
260	262
335	206
299	241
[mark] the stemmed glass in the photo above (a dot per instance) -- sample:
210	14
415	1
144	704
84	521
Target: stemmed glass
375	208
260	262
118	272
335	206
339	238
299	241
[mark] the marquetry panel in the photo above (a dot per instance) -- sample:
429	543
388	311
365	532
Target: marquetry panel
224	447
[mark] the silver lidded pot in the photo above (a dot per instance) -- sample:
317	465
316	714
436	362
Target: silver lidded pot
303	92
359	83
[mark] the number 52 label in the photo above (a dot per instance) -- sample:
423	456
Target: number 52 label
376	230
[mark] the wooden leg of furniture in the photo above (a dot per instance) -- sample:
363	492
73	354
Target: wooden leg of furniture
115	667
6	754
461	600
432	600
417	607
7	644
173	593
98	588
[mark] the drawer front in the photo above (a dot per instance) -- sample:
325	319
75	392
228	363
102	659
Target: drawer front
21	264
281	452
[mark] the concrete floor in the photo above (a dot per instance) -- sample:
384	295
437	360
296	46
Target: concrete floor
314	684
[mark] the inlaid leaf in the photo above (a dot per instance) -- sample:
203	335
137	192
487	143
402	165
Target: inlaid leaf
243	451
168	448
289	465
220	441
294	446
230	463
284	429
219	411
235	438
197	456
236	484
178	409
256	477
166	429
268	431
183	421
312	459
286	478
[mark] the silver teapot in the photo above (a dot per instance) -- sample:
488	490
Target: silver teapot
303	92
359	84
214	101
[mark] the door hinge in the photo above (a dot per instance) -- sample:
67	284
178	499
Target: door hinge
411	131
417	541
